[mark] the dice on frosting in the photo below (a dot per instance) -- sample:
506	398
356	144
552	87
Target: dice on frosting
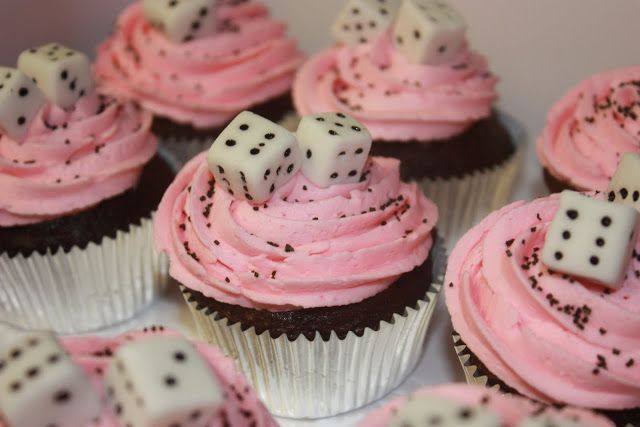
182	20
625	185
591	238
362	21
436	411
20	102
253	157
429	31
335	148
161	381
41	386
62	74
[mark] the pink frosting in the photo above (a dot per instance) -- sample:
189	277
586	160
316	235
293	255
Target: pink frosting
205	82
550	336
591	128
70	161
511	410
241	406
306	247
397	100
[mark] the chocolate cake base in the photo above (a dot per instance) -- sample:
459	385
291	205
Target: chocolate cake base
274	109
621	418
555	185
404	293
92	225
486	144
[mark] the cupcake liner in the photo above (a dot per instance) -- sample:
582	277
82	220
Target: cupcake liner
315	378
83	289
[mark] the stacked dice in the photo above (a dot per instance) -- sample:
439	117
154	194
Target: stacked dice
253	157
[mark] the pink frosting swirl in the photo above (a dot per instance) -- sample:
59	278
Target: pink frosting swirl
70	161
204	82
306	247
511	410
550	336
396	99
591	128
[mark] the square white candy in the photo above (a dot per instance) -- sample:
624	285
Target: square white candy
591	238
362	21
41	386
61	73
182	20
429	31
625	185
20	102
436	411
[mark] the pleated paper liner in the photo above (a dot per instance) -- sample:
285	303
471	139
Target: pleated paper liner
83	289
477	373
314	378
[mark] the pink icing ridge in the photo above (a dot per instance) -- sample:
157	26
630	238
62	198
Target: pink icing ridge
340	251
510	409
93	354
590	128
70	161
395	99
550	336
204	82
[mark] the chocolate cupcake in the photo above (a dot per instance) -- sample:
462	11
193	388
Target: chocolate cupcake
293	251
79	182
197	64
433	111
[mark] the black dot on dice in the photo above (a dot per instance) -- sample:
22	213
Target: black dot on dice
204	11
320	119
334	175
594	260
442	49
220	169
342	116
117	408
195	26
272	189
399	39
254	151
15	386
435	420
566	234
612	196
244	126
64	74
61	397
248	196
355	11
195	415
416	34
54	358
372	24
636	196
287	152
558	255
353	173
290	168
572	214
33	372
230	142
624	193
333	132
23	91
173	3
270	136
359	26
356	128
262	144
15	354
606	221
309	154
170	381
600	241
22	120
179	356
359	151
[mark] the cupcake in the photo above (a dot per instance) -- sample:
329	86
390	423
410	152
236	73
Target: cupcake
432	110
80	178
589	130
195	66
544	298
304	259
460	405
110	382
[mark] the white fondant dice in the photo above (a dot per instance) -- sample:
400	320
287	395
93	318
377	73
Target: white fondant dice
161	381
253	157
435	411
429	31
542	421
625	185
41	386
362	21
182	20
591	238
335	148
20	102
62	74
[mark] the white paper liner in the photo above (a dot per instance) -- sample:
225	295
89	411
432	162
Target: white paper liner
316	378
84	289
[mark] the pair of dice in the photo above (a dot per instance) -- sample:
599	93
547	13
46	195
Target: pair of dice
253	156
425	31
157	381
182	20
595	238
51	72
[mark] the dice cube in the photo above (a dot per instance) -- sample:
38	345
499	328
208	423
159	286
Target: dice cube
161	381
20	102
435	411
253	157
362	21
625	185
335	148
591	238
182	20
41	386
429	31
62	74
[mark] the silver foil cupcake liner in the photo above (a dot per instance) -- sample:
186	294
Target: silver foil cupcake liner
83	289
316	378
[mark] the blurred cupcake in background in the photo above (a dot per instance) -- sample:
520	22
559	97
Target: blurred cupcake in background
196	64
80	178
406	71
